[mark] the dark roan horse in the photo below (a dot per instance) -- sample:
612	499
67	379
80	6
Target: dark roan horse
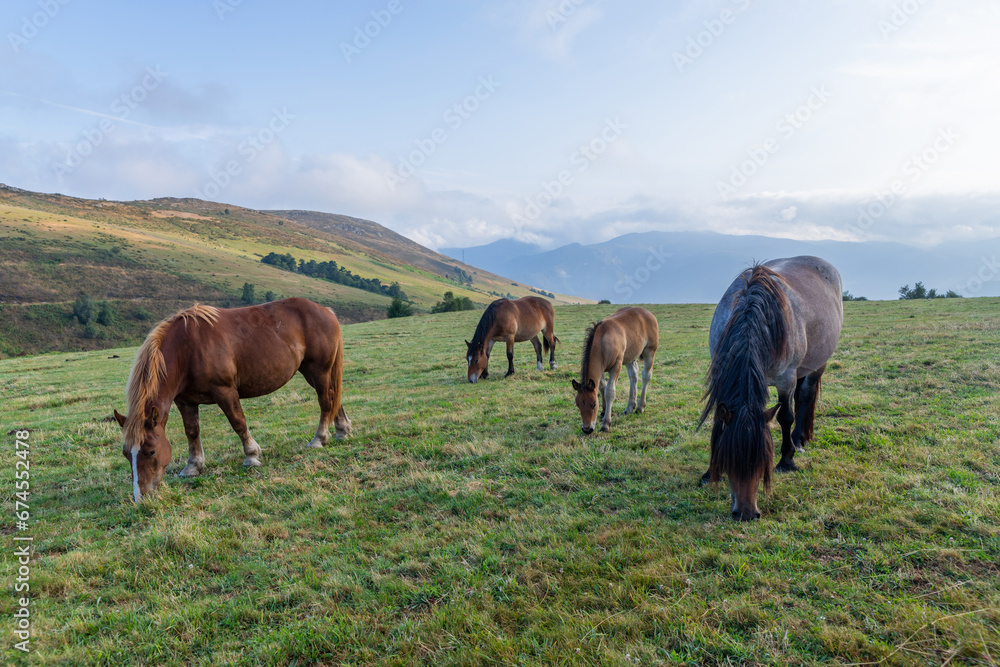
776	325
512	322
206	355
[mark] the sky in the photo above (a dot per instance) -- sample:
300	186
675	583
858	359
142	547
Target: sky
458	123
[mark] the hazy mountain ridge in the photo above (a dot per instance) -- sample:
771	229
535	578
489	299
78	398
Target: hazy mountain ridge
696	267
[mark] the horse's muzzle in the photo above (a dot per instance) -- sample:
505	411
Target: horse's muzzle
747	516
587	430
473	379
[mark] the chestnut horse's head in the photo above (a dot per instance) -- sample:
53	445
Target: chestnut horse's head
742	448
478	360
146	448
586	401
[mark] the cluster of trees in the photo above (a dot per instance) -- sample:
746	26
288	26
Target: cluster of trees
452	303
508	295
87	313
542	292
850	297
249	295
918	291
460	277
335	274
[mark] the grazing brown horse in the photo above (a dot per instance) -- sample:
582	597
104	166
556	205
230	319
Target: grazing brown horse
616	341
776	325
512	322
205	355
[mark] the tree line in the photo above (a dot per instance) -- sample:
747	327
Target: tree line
333	273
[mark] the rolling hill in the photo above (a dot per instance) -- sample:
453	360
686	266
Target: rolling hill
150	258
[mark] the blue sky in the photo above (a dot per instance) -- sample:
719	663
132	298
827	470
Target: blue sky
458	123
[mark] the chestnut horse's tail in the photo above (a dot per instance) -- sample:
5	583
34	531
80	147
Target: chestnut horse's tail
337	374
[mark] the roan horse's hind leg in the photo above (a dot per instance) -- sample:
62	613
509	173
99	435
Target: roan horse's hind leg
196	457
805	408
229	400
537	344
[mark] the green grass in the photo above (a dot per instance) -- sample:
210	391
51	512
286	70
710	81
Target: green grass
474	524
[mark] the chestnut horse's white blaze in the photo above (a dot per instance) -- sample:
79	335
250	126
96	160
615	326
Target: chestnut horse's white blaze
776	325
205	355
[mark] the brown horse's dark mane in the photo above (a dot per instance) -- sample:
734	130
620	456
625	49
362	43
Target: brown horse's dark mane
588	343
756	334
486	323
149	370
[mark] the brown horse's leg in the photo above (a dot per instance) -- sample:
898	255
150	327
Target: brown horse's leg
805	408
229	400
342	424
633	385
192	429
786	418
510	357
647	375
537	344
489	349
319	378
609	396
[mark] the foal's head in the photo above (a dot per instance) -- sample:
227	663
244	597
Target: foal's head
742	449
146	448
586	401
478	361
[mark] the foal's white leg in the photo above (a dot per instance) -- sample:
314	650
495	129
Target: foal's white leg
647	375
633	379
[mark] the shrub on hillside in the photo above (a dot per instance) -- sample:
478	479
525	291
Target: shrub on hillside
83	309
399	308
452	304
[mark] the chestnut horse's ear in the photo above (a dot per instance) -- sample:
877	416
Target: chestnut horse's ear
120	419
769	414
468	344
577	386
724	413
591	385
154	417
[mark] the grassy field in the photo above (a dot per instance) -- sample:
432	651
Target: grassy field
470	524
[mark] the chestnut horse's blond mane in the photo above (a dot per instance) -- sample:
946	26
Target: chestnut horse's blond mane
149	369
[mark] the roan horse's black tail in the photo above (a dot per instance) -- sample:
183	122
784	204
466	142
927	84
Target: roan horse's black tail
755	335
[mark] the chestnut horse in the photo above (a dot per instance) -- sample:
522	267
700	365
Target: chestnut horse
616	341
205	355
512	322
776	325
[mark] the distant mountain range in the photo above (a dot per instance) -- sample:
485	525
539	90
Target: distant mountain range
692	267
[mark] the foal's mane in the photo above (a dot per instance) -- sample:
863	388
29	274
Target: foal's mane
755	335
588	343
486	323
149	369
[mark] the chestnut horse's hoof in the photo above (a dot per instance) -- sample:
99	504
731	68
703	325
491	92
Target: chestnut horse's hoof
315	443
705	479
252	462
191	470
